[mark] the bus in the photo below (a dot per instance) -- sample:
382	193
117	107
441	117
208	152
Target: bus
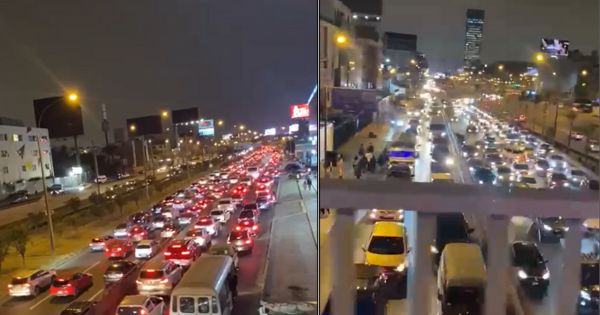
208	287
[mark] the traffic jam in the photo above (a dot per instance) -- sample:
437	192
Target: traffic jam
219	214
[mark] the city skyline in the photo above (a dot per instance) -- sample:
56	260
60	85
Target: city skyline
244	59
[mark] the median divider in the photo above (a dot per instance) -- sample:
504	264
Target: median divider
113	294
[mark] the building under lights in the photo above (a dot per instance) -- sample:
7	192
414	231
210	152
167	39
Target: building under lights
473	37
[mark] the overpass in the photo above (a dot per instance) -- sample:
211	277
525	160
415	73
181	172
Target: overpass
496	204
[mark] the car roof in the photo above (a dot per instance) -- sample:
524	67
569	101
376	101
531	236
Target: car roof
133	300
145	242
388	229
26	273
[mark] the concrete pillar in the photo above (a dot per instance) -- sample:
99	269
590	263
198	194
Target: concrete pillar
497	265
343	294
568	280
420	278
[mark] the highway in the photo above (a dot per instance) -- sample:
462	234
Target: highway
250	280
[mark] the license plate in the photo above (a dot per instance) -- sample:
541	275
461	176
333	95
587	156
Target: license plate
534	283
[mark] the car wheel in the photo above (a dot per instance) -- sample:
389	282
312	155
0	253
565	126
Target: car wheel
36	291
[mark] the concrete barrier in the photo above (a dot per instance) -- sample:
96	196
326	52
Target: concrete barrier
114	293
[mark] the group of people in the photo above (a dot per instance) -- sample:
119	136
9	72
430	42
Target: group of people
364	161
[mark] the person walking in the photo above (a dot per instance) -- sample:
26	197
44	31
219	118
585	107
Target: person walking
361	150
356	167
307	183
340	166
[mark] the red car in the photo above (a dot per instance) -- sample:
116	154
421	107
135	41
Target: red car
118	249
261	187
202	203
240	189
138	233
194	209
248	225
264	180
182	252
71	286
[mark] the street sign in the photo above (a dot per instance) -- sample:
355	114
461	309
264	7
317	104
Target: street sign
299	111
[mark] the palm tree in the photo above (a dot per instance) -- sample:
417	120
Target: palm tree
571	116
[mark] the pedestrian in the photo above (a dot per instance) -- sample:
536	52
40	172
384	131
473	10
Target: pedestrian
362	164
371	148
307	183
361	150
357	169
340	166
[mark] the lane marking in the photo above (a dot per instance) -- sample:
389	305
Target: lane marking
95	295
92	266
40	302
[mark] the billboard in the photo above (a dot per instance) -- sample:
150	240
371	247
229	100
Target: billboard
399	41
294	128
299	111
555	47
206	127
184	115
354	100
144	126
61	117
270	132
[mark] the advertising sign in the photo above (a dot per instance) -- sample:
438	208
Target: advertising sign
294	128
270	132
144	126
206	127
354	100
555	47
299	111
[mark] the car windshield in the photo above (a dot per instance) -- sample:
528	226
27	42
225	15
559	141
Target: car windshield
19	280
250	206
559	176
528	180
437	127
527	255
556	157
463	295
484	174
577	173
439	168
252	169
503	170
143	246
225	202
521	167
237	235
246	214
216	212
61	282
385	245
151	274
543	163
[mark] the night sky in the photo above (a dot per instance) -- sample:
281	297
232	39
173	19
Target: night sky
237	60
512	28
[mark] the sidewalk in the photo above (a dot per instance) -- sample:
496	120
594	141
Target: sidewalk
292	268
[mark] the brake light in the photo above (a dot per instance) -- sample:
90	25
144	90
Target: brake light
248	242
255	227
185	252
119	249
238	228
167	253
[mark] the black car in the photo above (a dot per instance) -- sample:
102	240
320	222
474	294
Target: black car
530	267
80	308
471	129
474	164
18	196
593	184
494	160
484	176
451	228
469	151
400	171
549	229
117	271
440	153
55	189
589	296
140	218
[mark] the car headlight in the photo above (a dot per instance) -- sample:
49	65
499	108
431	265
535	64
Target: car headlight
501	177
476	154
566	184
546	275
443	134
449	161
566	229
373	215
547	227
585	295
433	249
522	274
481	182
401	267
471	168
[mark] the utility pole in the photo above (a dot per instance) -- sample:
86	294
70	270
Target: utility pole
105	125
96	168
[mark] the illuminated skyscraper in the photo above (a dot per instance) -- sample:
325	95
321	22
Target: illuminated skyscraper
473	36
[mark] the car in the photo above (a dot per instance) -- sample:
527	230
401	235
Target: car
387	247
185	218
207	223
469	151
118	249
441	154
30	282
578	178
158	277
18	197
182	252
101	179
451	228
542	167
472	129
474	164
220	216
400	171
138	233
146	249
265	181
557	162
55	190
241	240
233	179
71	286
246	180
201	237
440	172
577	136
386	215
504	174
122	231
226	204
559	180
593	146
520	169
117	270
97	243
530	268
141	305
249	225
589	294
158	222
80	308
549	229
247	215
225	249
494	160
168	231
261	187
263	202
203	181
484	176
530	182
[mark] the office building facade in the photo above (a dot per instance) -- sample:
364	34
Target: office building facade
473	37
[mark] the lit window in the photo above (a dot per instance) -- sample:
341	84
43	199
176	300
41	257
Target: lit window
15	137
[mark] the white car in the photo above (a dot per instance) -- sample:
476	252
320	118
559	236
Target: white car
201	237
31	283
219	215
141	304
98	243
557	162
578	178
121	231
158	277
226	204
168	231
234	179
146	249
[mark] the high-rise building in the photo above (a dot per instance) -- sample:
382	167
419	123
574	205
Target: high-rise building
473	36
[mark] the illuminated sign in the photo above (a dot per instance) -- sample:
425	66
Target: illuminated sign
270	132
299	111
294	128
227	136
206	127
312	127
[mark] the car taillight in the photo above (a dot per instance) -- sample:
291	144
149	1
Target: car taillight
248	242
185	252
119	249
255	227
238	228
167	253
138	281
164	280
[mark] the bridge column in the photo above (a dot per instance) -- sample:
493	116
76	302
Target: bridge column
343	292
419	267
497	265
568	281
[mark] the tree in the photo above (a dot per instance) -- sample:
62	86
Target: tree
571	116
5	243
20	238
35	219
74	203
120	201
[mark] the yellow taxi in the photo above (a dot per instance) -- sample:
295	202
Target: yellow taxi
387	246
440	173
